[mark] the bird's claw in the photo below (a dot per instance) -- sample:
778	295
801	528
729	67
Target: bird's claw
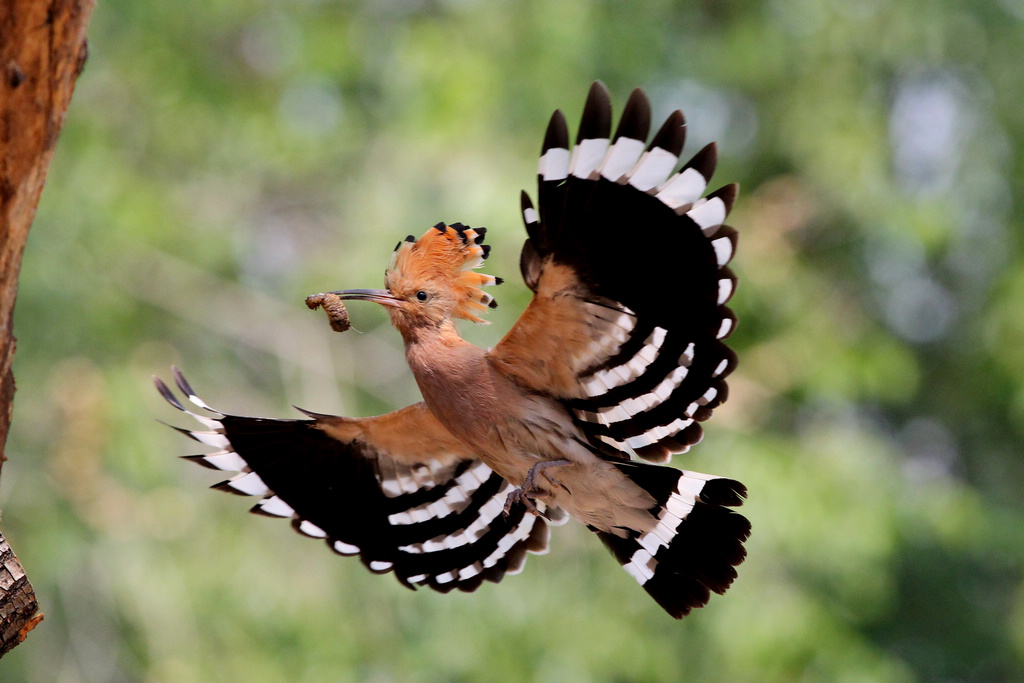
529	490
557	483
519	495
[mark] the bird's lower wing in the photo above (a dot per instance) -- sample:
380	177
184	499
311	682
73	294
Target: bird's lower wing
628	264
397	490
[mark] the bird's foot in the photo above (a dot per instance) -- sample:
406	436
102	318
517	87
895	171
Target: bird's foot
529	490
516	496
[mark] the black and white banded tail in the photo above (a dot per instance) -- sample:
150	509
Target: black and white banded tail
696	544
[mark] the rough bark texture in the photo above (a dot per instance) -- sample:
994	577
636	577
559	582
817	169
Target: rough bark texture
42	51
19	611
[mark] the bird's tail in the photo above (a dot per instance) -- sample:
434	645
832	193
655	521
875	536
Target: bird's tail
695	545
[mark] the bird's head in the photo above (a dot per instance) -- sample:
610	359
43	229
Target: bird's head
431	279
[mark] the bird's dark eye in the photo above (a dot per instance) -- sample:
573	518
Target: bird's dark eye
421	295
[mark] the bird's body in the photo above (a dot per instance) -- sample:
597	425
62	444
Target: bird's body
513	430
509	429
617	359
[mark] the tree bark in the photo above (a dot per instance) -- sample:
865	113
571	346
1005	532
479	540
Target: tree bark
42	52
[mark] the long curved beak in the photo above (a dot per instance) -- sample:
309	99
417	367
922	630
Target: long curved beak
380	296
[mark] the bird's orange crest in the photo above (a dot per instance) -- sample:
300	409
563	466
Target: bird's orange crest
443	259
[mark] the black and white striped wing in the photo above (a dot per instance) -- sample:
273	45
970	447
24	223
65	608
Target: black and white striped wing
629	264
397	490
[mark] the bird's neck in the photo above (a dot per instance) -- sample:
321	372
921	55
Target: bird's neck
452	374
440	359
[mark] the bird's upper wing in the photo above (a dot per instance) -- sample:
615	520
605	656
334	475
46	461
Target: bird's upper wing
628	264
398	490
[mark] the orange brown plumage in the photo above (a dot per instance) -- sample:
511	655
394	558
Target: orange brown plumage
616	361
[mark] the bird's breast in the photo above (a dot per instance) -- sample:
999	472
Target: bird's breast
509	428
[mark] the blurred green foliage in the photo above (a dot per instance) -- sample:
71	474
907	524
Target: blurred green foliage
224	159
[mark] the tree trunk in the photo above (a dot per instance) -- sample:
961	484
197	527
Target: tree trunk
42	51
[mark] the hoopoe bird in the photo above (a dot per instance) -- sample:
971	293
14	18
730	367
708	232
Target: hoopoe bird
611	368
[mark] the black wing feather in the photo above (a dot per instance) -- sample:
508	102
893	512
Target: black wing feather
436	526
648	244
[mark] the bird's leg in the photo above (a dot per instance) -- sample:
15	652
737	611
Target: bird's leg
524	492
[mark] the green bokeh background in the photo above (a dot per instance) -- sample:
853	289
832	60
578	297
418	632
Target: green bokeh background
223	159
